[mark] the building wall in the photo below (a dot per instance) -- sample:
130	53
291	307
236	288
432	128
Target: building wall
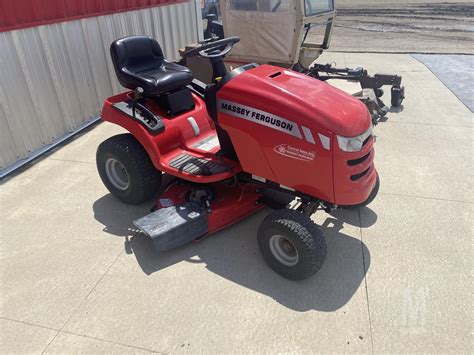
54	77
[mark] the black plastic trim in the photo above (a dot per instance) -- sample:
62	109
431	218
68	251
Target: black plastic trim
210	94
357	161
366	140
196	166
159	126
198	87
232	74
210	98
359	175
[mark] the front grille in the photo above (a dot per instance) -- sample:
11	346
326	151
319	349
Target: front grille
358	160
358	176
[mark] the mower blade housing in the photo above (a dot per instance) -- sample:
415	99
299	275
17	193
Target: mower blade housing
174	226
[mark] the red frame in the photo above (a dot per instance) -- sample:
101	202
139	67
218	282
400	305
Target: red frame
307	102
232	204
177	138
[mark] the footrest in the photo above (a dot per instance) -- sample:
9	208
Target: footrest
174	226
197	166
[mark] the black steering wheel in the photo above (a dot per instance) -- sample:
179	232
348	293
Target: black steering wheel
214	49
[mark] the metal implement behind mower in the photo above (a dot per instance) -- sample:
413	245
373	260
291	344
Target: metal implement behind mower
279	32
371	86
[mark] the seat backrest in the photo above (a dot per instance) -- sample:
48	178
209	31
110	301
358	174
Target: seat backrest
135	54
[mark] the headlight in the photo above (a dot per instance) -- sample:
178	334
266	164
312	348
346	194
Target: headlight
353	144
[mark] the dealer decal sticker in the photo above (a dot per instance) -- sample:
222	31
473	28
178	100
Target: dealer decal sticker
260	117
294	153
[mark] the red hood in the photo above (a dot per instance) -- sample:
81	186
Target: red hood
299	98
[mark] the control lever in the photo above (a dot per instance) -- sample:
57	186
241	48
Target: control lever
137	94
145	112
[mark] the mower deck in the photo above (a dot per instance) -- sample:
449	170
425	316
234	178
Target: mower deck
171	227
186	212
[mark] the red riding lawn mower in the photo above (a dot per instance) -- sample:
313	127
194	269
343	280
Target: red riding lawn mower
258	135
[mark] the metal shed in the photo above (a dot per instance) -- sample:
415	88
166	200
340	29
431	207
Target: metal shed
55	68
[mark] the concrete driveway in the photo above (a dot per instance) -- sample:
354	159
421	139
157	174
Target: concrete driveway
77	277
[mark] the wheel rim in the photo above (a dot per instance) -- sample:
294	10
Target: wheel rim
284	250
117	174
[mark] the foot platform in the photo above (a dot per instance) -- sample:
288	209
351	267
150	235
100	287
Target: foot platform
197	166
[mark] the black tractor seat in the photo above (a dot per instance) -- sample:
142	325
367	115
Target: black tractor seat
139	62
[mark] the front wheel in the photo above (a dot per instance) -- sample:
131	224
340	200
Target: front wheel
126	169
291	244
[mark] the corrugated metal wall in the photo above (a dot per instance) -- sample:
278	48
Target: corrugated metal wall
55	77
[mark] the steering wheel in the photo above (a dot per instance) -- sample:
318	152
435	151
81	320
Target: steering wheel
214	49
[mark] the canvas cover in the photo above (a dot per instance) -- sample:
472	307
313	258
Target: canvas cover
267	29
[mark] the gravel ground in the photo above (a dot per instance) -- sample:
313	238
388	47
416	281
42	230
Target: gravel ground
404	27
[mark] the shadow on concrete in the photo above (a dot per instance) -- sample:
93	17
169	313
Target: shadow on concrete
392	109
370	217
396	109
233	254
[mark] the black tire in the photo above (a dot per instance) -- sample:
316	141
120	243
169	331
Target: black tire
143	180
304	236
371	197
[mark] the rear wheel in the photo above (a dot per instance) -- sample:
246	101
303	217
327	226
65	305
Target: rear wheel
126	169
292	245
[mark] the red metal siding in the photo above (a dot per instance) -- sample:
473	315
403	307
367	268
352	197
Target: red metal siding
16	14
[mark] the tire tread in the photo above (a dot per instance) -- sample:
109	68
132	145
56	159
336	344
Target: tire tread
146	179
307	232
